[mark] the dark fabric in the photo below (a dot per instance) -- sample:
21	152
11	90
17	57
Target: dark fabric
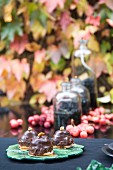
92	151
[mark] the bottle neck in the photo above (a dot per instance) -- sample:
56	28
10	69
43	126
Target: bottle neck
84	63
66	87
75	84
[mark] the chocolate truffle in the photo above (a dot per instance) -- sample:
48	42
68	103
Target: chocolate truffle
62	139
41	146
25	141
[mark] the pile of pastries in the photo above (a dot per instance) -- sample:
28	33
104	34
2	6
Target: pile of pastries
41	145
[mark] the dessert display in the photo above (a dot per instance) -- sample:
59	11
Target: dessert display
62	139
41	146
25	141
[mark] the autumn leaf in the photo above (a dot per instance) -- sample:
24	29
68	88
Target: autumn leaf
33	46
67	72
4	66
8	11
106	33
89	10
2	45
110	22
39	55
37	30
72	30
91	29
59	66
108	58
17	72
19	44
50	40
38	67
64	49
14	88
109	3
82	34
93	44
23	71
22	8
40	98
54	53
36	81
49	89
25	68
93	20
52	5
65	20
3	84
82	7
98	65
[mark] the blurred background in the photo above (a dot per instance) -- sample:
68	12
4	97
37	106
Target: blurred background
37	40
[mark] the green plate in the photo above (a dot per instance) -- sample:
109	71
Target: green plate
14	152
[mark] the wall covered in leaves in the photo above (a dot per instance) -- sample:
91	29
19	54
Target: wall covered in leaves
37	38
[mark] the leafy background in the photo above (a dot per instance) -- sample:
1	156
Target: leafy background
37	38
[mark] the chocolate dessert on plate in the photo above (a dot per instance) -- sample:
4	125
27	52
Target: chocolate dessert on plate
41	146
62	139
25	141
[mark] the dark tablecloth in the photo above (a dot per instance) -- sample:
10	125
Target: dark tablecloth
92	151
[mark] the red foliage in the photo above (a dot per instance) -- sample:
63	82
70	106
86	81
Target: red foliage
19	44
93	20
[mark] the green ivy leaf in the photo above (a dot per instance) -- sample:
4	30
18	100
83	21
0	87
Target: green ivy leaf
31	6
67	3
105	46
110	14
111	32
3	2
59	66
10	29
40	16
111	95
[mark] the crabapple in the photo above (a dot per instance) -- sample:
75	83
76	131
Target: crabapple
30	119
47	124
36	118
90	129
83	134
14	123
69	127
20	122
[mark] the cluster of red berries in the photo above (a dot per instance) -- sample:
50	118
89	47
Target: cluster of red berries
46	118
15	123
98	116
89	123
87	127
82	130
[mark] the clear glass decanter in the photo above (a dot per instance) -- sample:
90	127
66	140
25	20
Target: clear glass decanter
83	92
82	71
67	107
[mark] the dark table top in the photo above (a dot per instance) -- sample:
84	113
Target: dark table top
92	151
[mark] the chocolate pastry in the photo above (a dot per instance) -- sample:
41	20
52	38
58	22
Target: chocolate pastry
62	139
41	146
25	141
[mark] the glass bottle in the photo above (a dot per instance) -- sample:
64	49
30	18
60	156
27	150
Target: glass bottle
67	107
84	72
83	92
